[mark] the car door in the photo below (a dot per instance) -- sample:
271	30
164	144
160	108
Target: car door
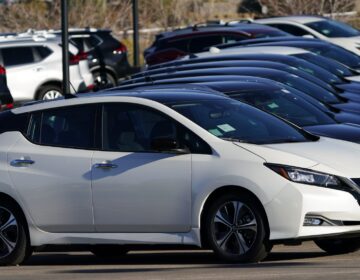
21	65
51	168
135	188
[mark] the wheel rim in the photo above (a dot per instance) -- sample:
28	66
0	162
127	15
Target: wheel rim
52	94
105	81
234	228
9	232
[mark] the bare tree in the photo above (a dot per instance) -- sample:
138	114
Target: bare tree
313	7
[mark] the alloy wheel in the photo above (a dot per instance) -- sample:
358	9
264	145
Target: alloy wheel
52	94
234	228
9	232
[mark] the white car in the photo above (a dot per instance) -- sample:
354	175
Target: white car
81	57
34	68
322	28
171	165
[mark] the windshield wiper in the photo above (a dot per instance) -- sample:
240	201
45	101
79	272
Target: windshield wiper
234	139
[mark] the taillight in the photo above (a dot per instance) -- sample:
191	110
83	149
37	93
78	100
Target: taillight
74	59
121	49
9	106
2	70
82	55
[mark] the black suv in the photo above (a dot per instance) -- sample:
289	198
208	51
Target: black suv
6	100
107	56
198	38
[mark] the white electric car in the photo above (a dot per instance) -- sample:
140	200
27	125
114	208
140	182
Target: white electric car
171	165
318	27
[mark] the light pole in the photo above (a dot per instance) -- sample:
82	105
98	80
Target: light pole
65	47
135	12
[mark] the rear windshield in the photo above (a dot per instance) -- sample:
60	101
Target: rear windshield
333	29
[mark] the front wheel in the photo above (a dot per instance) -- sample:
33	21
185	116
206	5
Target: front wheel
338	246
14	243
235	229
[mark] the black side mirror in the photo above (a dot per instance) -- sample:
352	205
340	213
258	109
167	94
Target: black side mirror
166	145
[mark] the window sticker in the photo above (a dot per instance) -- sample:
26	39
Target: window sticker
215	132
273	105
226	127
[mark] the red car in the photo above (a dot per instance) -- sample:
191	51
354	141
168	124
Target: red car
171	45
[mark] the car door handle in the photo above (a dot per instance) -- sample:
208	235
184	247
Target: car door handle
38	69
21	162
105	165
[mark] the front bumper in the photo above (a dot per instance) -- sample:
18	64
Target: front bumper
287	211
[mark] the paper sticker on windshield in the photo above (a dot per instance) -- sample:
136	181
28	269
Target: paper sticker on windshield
273	105
226	127
215	132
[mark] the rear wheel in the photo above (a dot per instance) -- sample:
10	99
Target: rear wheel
14	242
338	245
235	229
104	80
109	251
49	92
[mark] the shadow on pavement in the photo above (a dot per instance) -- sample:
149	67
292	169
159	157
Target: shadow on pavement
276	259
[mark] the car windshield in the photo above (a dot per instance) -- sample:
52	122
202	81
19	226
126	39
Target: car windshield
333	29
235	121
309	88
316	71
326	63
284	104
339	54
269	34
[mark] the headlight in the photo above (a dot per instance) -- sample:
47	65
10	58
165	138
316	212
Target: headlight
309	177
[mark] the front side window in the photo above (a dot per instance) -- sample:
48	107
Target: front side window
133	128
70	127
17	56
291	29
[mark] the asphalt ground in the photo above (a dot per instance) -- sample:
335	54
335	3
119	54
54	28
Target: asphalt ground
290	263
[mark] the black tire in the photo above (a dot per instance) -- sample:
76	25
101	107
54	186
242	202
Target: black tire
15	237
253	239
45	92
104	80
109	251
338	246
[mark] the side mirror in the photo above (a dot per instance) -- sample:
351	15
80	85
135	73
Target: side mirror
309	36
166	145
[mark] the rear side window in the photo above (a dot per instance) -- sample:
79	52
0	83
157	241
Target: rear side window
182	45
71	127
42	52
17	56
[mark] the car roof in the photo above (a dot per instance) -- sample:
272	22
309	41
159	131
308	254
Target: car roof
253	49
298	19
245	28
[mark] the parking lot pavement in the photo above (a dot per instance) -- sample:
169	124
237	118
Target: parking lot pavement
301	262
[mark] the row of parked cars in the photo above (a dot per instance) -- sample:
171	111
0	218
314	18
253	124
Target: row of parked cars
233	149
33	63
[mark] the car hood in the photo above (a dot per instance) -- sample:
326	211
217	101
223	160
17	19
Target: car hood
327	155
353	86
348	132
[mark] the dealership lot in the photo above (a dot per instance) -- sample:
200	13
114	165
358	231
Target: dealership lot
300	262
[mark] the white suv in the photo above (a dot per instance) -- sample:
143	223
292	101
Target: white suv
34	68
